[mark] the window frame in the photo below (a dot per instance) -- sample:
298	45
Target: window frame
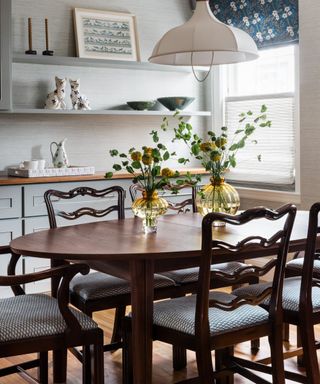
218	120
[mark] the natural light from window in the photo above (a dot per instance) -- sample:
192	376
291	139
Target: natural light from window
270	80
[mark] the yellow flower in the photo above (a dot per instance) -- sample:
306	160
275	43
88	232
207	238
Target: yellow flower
207	146
167	172
136	156
147	159
215	156
223	141
148	150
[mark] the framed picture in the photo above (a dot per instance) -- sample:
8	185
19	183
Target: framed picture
106	35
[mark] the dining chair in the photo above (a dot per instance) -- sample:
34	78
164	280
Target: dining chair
186	280
301	303
218	320
98	291
38	323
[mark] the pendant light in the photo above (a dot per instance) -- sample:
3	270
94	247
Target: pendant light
204	41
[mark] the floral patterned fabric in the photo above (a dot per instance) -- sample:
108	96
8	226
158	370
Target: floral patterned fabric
269	22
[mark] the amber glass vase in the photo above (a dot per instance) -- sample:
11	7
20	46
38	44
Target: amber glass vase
149	207
218	196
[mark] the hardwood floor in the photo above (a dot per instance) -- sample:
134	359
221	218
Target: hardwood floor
162	365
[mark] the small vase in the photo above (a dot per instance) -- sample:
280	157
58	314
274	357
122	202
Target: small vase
218	196
149	207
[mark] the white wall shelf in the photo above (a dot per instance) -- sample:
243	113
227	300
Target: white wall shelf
80	62
115	112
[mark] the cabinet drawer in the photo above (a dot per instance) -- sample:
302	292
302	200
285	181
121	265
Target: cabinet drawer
10	202
9	229
34	204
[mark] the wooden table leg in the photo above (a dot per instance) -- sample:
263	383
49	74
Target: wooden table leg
142	272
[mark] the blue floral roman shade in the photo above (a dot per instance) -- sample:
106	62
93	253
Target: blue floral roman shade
269	22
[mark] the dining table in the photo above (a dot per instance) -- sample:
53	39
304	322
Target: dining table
122	249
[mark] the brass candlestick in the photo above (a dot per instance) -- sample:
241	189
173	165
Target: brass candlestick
30	51
47	52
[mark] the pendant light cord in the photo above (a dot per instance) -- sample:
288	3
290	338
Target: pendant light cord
207	74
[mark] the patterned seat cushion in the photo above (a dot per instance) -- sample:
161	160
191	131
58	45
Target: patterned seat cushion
29	316
291	293
190	275
179	314
297	264
99	285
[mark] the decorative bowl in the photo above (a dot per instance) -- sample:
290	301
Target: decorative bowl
176	102
141	105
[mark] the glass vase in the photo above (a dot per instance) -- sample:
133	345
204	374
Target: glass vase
149	207
218	196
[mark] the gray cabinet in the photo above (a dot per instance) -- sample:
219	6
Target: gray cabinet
5	55
9	229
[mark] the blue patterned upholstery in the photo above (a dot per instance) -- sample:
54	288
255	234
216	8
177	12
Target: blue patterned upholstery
190	275
291	293
30	316
99	285
179	315
297	264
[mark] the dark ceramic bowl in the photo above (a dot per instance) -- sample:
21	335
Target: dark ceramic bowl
142	105
176	102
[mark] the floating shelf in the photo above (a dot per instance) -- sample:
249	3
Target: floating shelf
115	112
80	62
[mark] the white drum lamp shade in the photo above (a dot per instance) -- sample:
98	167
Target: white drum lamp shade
204	41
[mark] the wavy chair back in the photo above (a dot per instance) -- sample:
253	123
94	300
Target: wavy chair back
52	194
252	246
309	278
181	207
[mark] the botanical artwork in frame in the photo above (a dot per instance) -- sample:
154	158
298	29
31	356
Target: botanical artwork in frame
106	35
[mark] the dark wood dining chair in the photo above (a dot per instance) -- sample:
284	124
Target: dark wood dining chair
301	303
217	320
99	291
38	323
186	280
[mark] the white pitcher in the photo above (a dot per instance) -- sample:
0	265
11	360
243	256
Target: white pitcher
59	158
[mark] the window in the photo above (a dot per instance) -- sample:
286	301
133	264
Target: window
270	80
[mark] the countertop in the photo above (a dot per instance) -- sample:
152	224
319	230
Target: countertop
12	180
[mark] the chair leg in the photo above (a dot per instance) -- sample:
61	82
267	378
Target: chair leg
204	364
43	368
179	357
117	324
127	370
97	363
255	346
300	359
86	364
60	366
286	336
221	362
275	341
310	354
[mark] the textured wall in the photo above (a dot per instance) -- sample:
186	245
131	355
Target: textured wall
310	101
89	137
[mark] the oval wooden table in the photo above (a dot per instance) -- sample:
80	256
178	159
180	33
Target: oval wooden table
122	249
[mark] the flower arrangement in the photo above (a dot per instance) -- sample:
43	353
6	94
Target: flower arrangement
146	167
149	175
217	153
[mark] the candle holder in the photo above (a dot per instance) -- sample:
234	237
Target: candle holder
47	52
30	51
